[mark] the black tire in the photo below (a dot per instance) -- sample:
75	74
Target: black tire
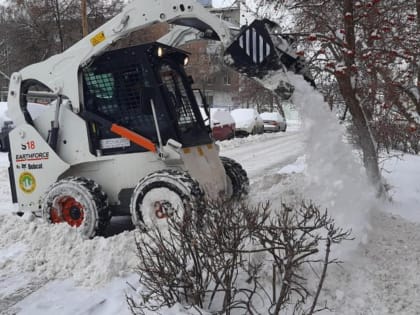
159	194
237	179
79	202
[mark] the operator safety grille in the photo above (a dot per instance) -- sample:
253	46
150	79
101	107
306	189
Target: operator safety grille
178	97
123	95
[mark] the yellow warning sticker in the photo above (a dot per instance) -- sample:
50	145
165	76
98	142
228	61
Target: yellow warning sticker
98	38
27	182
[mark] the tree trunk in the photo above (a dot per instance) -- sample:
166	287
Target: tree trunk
418	69
84	18
348	91
58	23
363	133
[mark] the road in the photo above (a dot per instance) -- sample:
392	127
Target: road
262	154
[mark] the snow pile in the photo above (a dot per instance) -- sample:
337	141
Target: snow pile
402	173
294	168
238	142
59	252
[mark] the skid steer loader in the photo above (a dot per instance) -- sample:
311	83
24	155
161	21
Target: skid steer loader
124	132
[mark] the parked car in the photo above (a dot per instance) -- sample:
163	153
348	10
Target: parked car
273	121
222	123
248	121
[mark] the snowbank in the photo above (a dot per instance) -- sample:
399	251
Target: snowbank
402	173
59	252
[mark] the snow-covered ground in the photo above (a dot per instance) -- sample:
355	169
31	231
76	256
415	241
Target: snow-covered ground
49	269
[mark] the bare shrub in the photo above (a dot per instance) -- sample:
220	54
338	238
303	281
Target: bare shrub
396	135
224	263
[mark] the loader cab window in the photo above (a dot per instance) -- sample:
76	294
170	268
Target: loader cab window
182	104
102	85
120	86
123	96
178	98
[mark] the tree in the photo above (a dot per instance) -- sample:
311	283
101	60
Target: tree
368	51
254	94
44	28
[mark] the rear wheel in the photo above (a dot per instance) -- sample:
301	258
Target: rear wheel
165	194
238	182
79	202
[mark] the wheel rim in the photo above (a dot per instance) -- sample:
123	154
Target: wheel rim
67	209
160	204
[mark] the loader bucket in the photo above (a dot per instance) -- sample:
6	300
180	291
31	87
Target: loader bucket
260	49
254	52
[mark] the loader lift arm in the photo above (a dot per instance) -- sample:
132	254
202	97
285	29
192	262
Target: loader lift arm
256	51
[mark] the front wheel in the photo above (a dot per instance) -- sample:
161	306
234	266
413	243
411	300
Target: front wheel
80	203
162	195
237	179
